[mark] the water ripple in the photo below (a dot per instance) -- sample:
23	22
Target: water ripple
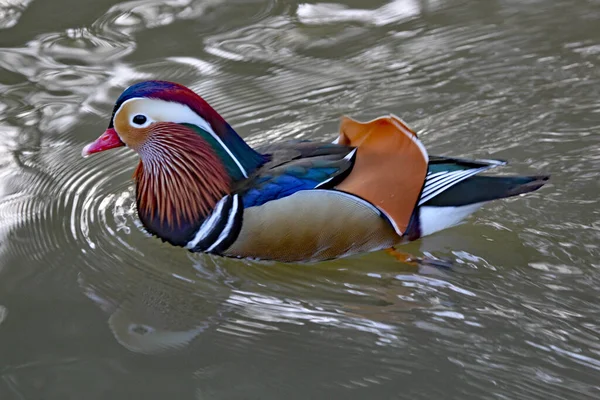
10	12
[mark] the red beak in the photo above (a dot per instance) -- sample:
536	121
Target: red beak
108	140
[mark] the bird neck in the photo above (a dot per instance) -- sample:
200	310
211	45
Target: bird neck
239	158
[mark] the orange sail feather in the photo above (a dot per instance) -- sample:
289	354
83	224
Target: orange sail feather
390	169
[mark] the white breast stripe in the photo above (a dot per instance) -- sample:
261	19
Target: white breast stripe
230	221
208	225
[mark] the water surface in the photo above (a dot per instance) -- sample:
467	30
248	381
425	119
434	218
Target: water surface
93	308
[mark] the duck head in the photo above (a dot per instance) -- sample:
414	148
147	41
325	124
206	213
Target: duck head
189	155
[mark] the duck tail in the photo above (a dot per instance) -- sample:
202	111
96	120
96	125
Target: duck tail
479	189
522	184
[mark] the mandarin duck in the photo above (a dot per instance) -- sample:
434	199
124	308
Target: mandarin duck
200	186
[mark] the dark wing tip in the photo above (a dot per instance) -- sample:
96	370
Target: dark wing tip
536	182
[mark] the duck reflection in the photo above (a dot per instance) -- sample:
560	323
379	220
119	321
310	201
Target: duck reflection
151	313
145	329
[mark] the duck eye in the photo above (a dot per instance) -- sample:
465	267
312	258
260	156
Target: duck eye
139	119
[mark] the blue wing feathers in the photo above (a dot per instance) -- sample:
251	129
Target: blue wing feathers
295	179
295	167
